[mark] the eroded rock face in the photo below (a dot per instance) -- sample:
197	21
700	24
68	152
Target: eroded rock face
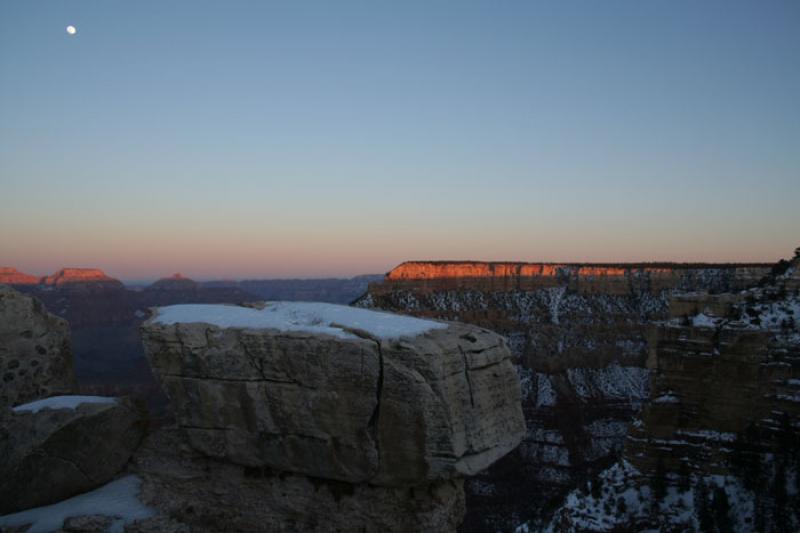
721	430
82	279
579	332
53	454
214	496
35	350
12	276
359	409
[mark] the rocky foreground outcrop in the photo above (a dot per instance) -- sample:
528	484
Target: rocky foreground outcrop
55	448
35	350
387	413
191	490
716	448
53	444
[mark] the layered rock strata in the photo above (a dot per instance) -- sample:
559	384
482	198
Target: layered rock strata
580	334
203	494
722	366
12	276
35	350
379	403
81	279
716	446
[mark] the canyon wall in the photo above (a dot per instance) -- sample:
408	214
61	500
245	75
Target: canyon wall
716	447
580	336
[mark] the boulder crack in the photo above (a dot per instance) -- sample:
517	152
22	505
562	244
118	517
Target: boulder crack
466	374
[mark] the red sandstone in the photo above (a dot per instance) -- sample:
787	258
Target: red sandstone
12	276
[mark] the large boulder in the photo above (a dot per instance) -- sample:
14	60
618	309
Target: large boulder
189	489
336	392
35	350
55	448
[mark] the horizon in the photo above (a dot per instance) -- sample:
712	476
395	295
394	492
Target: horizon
295	141
652	264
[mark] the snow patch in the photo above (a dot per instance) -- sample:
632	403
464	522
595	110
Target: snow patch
704	321
545	393
667	398
117	499
311	317
61	402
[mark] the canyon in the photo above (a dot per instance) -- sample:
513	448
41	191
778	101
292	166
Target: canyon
642	387
580	335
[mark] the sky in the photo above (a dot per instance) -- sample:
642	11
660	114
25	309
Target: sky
306	139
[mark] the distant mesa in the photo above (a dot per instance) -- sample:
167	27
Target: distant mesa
175	282
81	278
12	276
432	270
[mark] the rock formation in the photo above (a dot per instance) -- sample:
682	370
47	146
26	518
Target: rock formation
12	276
81	279
393	410
611	278
52	444
61	446
580	334
716	446
35	352
175	282
194	491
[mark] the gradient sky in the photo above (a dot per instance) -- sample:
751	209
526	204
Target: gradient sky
273	139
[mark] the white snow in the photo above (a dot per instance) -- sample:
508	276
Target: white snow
667	398
117	499
708	435
704	321
61	402
545	393
309	317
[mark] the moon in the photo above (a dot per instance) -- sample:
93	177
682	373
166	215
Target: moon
72	30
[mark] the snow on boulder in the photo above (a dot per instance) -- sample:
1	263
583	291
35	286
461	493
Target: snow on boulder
61	402
55	448
336	392
116	501
312	317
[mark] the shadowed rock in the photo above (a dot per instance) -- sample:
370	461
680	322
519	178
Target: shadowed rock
53	453
35	350
349	406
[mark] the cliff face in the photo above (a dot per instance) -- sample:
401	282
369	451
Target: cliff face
35	350
580	334
716	445
12	276
607	278
393	409
81	279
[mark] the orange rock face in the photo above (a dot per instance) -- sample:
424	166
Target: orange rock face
12	276
585	278
420	270
69	276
